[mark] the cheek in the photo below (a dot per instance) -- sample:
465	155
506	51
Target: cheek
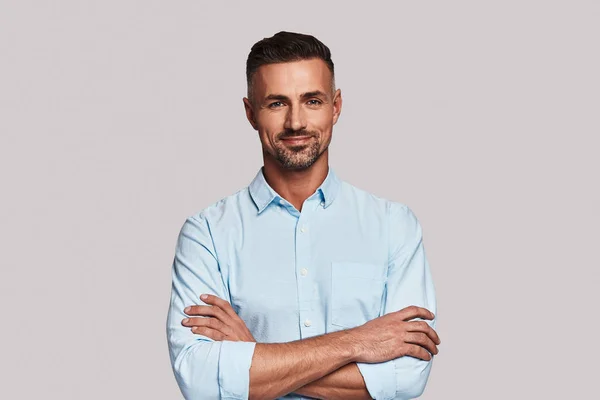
269	120
321	122
270	127
267	137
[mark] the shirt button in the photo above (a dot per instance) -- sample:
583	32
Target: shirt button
307	323
281	201
322	204
303	229
304	271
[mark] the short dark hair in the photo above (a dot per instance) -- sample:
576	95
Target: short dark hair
286	47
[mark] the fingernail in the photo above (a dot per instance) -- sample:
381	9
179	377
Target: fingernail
203	297
187	309
185	321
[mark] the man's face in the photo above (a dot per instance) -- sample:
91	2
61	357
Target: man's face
294	109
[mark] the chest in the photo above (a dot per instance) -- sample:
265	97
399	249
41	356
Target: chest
300	278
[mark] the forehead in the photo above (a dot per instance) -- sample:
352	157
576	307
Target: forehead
292	77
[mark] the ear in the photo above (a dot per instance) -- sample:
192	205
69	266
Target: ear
250	113
337	105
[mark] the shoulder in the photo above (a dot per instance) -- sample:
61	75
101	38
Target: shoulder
204	223
395	217
211	222
226	208
387	207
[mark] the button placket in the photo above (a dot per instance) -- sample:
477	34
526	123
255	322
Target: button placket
305	284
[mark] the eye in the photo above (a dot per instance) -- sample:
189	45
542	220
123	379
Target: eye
276	104
314	102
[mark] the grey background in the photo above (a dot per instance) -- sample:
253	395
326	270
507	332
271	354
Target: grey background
118	119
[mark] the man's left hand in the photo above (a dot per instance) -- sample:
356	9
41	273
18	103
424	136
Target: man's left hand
217	321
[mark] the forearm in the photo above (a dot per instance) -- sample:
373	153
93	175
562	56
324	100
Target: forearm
344	383
280	368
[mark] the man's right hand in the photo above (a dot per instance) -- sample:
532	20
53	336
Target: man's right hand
393	335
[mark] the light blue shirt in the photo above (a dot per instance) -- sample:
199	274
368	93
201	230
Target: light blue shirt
347	258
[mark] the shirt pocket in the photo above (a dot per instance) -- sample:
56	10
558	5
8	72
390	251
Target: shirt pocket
356	293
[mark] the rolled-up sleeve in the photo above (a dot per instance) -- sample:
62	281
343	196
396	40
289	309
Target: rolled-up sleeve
203	368
409	282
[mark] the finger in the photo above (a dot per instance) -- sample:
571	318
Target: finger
217	301
412	312
421	339
209	311
418	352
209	332
204	321
422	326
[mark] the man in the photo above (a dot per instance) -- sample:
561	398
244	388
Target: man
300	285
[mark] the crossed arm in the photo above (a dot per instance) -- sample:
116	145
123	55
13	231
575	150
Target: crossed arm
322	367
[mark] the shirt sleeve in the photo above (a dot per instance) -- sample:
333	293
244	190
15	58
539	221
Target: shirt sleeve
408	283
203	368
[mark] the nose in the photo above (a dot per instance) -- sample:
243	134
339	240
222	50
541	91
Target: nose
295	119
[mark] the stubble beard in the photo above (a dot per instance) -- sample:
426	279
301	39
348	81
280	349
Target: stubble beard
298	157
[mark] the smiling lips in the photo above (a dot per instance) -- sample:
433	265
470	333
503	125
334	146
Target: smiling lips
296	139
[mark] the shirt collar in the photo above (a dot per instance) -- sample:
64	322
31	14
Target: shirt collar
263	194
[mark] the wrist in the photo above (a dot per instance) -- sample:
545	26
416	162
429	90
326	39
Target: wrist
351	345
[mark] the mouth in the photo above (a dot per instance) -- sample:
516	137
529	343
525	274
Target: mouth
296	140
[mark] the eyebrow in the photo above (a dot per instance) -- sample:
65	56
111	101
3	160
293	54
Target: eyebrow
314	93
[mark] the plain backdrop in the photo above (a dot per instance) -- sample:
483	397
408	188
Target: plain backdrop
119	119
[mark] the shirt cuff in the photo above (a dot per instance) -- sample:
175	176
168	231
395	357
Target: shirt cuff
235	359
380	379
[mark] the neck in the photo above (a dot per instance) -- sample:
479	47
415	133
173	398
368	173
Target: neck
296	185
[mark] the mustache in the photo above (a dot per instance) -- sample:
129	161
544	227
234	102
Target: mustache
291	134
